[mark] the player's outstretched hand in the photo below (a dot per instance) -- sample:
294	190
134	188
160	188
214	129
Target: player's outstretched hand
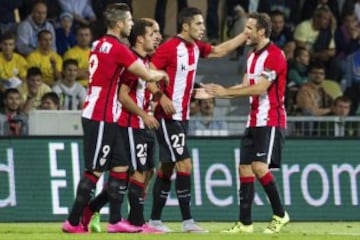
201	93
215	90
151	122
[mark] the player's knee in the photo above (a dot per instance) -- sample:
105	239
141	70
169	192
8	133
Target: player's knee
184	166
138	176
259	168
245	170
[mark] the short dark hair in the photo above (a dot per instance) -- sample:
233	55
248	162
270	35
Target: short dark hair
277	13
115	12
263	21
68	62
53	97
45	31
10	91
82	26
33	71
316	65
186	15
299	50
8	36
138	29
342	98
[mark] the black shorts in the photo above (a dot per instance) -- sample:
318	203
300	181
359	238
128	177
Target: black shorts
141	151
262	144
100	140
172	139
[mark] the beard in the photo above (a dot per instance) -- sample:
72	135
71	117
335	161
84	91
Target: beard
124	34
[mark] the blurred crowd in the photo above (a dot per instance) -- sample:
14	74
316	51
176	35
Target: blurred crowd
45	46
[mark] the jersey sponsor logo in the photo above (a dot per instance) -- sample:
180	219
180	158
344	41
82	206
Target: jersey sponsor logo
105	47
191	67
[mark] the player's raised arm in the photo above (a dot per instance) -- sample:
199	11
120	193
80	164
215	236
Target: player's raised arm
226	47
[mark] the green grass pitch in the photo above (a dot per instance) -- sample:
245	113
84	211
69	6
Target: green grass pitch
293	231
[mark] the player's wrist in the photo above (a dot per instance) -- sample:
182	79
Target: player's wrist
157	96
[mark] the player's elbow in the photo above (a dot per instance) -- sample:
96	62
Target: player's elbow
260	90
122	98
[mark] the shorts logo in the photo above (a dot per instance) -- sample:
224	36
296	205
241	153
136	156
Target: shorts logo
260	154
180	150
142	160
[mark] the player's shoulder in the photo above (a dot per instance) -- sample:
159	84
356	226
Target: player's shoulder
275	51
171	43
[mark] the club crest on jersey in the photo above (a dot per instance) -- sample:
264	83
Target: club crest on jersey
102	161
180	150
142	160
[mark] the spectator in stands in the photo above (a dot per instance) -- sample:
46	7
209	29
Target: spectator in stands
341	106
7	15
27	33
340	128
65	36
206	119
12	65
71	93
46	58
53	9
297	76
251	6
311	97
33	89
297	68
50	101
353	81
281	35
13	122
351	6
290	9
310	6
81	53
317	35
81	10
347	37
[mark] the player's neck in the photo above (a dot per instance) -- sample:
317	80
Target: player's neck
262	43
185	37
113	33
140	51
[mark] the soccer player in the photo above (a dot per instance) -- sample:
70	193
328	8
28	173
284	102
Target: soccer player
137	38
263	139
136	123
179	57
103	148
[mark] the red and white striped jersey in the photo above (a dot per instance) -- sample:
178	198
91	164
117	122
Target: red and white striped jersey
139	94
108	58
268	109
179	59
